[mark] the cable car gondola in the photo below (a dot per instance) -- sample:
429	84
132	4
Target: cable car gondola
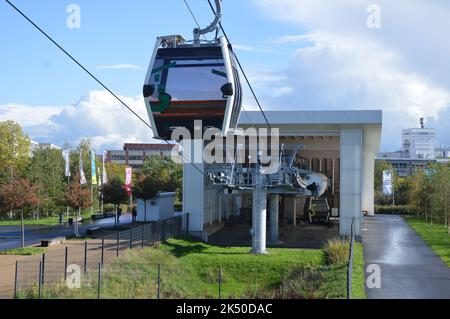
189	81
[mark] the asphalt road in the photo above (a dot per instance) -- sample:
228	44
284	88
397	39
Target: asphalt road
409	268
10	235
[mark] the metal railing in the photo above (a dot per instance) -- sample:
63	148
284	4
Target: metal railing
350	260
52	267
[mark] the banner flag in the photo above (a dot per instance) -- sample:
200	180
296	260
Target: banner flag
104	175
93	168
82	176
66	156
128	179
387	183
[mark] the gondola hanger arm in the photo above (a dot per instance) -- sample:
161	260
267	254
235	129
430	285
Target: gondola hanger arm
213	27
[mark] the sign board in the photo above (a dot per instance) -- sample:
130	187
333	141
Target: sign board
387	183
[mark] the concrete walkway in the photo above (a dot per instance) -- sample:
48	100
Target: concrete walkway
409	268
10	235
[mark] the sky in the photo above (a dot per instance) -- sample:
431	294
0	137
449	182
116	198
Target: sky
298	54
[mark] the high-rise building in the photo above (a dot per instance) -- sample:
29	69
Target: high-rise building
419	143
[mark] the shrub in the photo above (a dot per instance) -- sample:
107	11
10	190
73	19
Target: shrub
394	210
304	283
336	251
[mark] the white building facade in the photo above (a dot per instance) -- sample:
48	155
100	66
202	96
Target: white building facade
419	143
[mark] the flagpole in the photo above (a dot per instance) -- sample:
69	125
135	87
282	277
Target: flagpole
103	180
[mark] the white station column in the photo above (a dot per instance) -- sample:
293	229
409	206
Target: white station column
259	215
274	216
351	182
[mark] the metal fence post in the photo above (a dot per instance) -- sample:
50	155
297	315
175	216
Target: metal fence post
103	250
43	269
163	231
282	283
117	244
159	281
16	279
350	261
142	242
40	281
131	238
153	234
85	256
220	282
99	281
66	253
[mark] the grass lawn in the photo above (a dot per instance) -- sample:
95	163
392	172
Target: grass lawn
27	251
191	270
436	236
32	222
50	221
335	284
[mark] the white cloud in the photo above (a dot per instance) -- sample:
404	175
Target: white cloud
243	47
119	67
288	39
342	64
97	116
21	113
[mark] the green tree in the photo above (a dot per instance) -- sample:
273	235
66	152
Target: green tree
402	190
47	169
164	172
440	177
115	171
114	193
14	150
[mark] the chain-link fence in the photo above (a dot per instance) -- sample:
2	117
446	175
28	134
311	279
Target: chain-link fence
153	281
36	275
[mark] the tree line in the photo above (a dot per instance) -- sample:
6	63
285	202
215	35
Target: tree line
427	192
34	184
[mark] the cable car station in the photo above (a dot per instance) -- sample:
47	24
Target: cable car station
324	160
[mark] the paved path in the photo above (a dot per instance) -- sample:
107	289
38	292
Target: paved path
409	268
10	235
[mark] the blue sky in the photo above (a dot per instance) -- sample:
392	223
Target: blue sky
300	54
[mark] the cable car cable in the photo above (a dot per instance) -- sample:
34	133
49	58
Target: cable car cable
193	16
91	75
243	72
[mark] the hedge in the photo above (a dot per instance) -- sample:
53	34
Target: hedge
394	210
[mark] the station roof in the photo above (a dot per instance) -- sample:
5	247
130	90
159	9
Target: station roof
313	117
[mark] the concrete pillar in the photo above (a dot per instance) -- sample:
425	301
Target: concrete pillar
351	182
259	216
194	192
368	188
274	217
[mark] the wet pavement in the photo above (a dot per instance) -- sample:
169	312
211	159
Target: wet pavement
409	268
10	235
